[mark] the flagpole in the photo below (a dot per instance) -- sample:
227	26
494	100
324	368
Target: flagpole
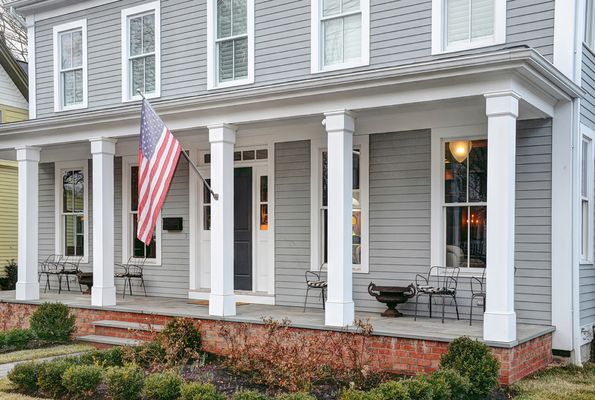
215	195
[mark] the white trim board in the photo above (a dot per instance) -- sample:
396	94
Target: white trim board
240	297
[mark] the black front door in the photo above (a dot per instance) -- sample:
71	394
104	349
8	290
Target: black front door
242	228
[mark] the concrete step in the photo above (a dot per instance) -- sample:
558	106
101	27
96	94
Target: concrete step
109	340
129	326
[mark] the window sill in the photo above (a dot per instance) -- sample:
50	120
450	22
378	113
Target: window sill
71	108
355	270
230	84
467	46
339	67
468	273
585	261
139	98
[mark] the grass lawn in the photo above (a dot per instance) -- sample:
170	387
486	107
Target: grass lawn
5	386
557	383
44	352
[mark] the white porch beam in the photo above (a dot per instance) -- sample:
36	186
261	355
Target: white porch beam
499	323
222	300
103	292
340	126
28	282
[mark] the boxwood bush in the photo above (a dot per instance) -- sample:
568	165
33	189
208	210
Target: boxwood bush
53	322
16	339
163	386
353	394
391	390
448	384
250	395
200	391
82	381
125	383
295	396
50	373
24	377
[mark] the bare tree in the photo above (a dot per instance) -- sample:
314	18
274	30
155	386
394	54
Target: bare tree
13	31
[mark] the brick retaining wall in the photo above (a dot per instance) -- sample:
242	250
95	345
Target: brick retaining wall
393	354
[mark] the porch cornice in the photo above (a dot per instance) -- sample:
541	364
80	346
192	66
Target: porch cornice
524	62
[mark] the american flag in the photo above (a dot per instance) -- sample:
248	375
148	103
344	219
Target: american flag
158	155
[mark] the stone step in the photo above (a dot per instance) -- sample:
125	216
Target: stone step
129	326
109	340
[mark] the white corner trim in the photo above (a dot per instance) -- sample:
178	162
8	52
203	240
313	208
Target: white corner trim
212	79
58	100
154	6
127	163
439	28
32	68
567	27
316	58
58	198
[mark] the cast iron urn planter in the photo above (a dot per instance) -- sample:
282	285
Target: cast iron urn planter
86	278
391	296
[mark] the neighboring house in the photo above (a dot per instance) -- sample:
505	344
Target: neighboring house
13	107
372	138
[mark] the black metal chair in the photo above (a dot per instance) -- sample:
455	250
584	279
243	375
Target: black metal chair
133	269
478	291
315	281
48	267
70	268
441	282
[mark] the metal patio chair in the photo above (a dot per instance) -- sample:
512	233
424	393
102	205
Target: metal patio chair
70	268
315	281
133	269
441	282
478	291
48	267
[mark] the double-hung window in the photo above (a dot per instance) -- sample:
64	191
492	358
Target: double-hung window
230	42
464	24
465	203
141	55
71	210
340	34
586	196
70	66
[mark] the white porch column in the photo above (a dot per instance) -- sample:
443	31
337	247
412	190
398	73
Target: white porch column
103	292
222	300
499	323
28	281
340	126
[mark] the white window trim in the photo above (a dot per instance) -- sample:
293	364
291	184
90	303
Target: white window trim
81	24
316	59
439	45
154	6
212	80
588	135
589	41
317	146
58	198
127	163
439	136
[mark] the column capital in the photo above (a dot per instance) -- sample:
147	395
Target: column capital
103	145
222	133
339	120
504	102
28	153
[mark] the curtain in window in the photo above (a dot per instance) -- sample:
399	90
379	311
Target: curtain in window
341	26
232	39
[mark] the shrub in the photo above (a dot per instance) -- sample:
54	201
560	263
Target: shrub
181	341
448	384
24	377
148	355
17	339
295	396
474	361
9	280
418	389
200	391
392	390
163	386
82	381
50	377
352	394
250	395
125	383
106	358
53	322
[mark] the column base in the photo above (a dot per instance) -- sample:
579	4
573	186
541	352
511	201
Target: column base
27	291
103	296
222	305
499	327
339	314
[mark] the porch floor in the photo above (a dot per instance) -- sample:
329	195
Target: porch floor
313	318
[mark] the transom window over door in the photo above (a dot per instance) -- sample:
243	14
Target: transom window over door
70	66
139	249
465	203
232	40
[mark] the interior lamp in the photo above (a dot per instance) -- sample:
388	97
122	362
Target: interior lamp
460	149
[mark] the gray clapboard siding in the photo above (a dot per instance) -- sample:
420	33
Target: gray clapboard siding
587	294
292	221
400	33
588	84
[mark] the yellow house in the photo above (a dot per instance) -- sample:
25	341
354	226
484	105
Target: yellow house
13	107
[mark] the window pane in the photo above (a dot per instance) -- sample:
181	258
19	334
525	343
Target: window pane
350	5
585	228
240	14
139	249
77	48
207	218
477	237
69	235
482	22
79	191
138	74
69	87
136	36
240	60
455	177
356	177
333	41
149	33
223	18
330	7
264	189
325	236
457	20
149	74
456	236
264	217
478	171
206	195
134	188
66	49
67	192
225	61
352	37
585	168
78	86
262	154
356	229
80	236
324	179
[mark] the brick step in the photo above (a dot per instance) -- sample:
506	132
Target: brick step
109	340
129	326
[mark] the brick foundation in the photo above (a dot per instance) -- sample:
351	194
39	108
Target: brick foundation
393	354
